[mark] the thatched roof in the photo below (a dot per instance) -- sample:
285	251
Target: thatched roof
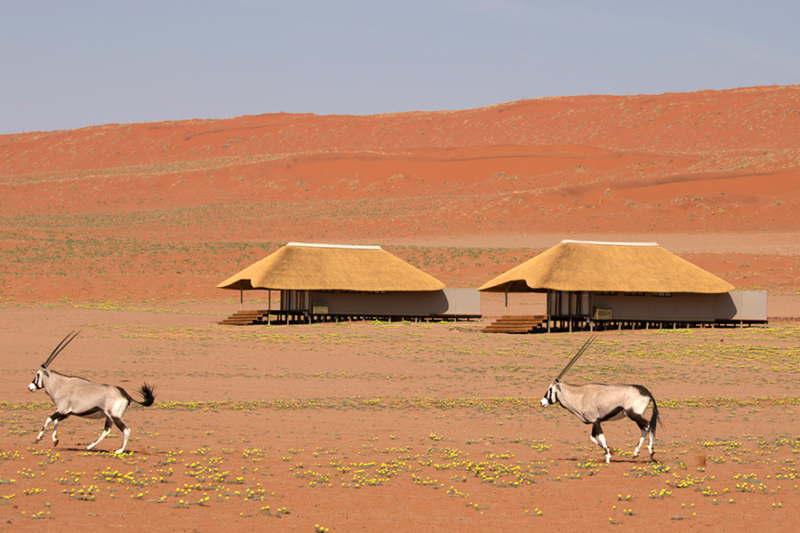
607	266
325	267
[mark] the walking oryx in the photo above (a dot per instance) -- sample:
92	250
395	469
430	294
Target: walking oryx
80	397
595	403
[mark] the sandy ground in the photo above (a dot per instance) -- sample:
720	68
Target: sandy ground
365	426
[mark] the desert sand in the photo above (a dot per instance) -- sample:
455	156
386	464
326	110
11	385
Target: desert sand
123	231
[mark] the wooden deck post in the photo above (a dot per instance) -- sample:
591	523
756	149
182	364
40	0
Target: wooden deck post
241	298
269	307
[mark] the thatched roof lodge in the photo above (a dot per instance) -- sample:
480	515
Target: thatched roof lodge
332	267
623	283
607	266
334	281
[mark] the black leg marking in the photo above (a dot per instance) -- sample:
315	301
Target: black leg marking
120	424
56	418
641	421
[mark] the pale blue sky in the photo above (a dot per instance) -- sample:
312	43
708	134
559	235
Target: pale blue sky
69	64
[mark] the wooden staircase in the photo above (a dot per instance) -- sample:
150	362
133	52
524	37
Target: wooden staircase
245	318
516	324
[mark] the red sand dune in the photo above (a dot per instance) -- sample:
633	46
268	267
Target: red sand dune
205	197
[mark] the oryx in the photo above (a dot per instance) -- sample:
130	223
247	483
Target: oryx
80	397
594	403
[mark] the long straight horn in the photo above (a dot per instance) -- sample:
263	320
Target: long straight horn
60	347
586	344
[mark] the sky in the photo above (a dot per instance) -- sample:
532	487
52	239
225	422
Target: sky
70	64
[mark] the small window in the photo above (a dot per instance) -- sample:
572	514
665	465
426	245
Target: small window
662	294
634	294
606	293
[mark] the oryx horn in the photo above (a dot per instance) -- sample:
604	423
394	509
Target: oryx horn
586	344
60	347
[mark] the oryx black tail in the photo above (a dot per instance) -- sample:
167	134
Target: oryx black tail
654	419
148	398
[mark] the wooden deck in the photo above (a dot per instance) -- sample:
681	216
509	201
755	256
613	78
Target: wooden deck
504	324
516	324
277	317
245	318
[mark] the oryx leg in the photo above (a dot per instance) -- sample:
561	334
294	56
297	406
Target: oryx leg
54	418
106	431
644	426
600	439
126	433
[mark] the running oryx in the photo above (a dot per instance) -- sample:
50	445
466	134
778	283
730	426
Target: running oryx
595	403
80	397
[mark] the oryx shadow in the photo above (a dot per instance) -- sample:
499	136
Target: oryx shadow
95	451
614	459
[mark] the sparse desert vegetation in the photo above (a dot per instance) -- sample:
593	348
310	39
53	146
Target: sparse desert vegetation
397	425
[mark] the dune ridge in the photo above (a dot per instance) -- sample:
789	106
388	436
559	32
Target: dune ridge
225	192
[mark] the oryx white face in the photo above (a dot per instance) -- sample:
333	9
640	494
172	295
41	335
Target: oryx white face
38	380
551	396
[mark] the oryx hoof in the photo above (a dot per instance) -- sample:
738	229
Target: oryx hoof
55	443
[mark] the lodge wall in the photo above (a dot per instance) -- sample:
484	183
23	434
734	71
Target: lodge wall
448	301
683	307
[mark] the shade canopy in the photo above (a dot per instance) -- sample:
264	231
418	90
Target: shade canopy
328	267
607	266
